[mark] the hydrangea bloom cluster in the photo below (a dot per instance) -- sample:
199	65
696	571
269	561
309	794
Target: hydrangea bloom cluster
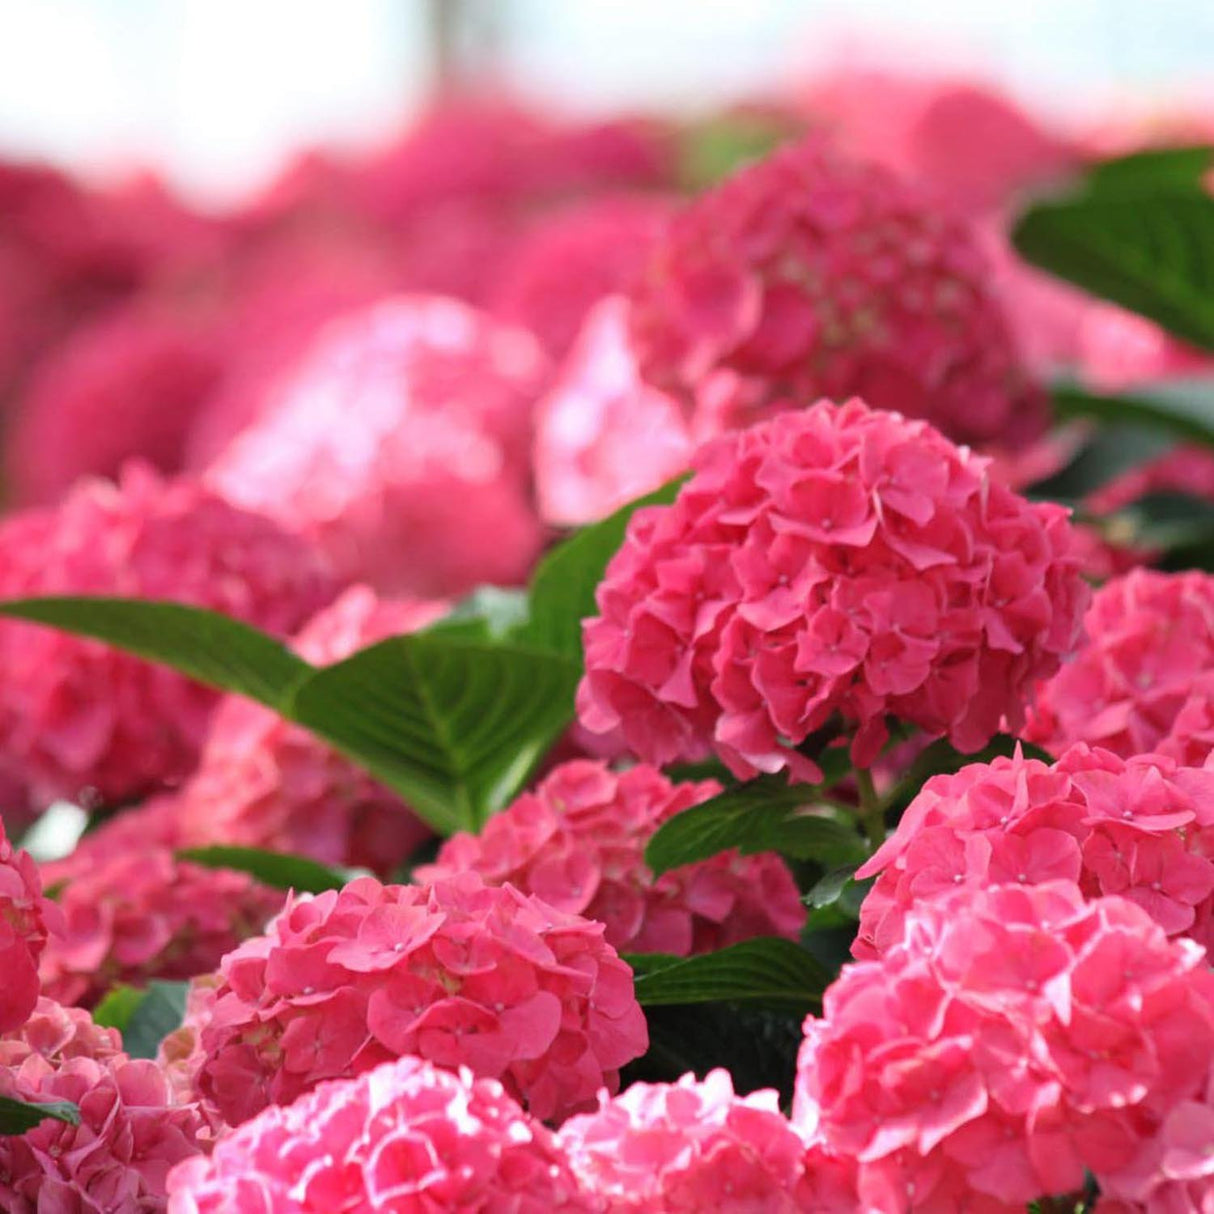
810	275
460	973
131	1129
81	720
25	915
1141	828
692	1145
1014	1038
404	1136
835	562
602	435
1149	638
263	782
578	842
561	270
401	442
130	384
132	911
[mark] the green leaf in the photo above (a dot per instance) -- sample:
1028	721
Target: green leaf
766	970
1178	526
159	1013
1153	254
118	1006
212	648
276	869
455	726
17	1116
767	814
562	590
757	1045
489	613
1152	169
1111	451
827	890
1180	409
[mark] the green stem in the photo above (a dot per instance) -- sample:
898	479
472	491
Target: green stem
872	811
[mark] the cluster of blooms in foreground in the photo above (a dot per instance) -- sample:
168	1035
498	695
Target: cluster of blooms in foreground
578	840
132	1130
836	560
1010	1041
458	972
84	721
1141	828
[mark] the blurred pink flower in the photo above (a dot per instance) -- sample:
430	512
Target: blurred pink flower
25	916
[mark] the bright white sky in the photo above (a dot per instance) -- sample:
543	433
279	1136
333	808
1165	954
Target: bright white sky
217	91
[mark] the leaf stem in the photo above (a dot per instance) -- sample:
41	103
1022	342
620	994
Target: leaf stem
872	811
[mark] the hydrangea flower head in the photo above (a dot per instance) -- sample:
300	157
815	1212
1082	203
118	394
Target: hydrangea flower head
25	915
695	1145
809	275
83	721
1141	828
263	782
830	565
401	442
457	972
1149	640
1014	1038
578	842
404	1136
131	1131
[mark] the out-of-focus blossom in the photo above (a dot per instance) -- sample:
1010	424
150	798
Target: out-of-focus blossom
401	443
602	435
578	842
25	915
79	719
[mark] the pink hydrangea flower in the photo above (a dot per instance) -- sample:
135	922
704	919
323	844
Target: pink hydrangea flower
458	972
602	435
578	841
1149	635
1012	1039
693	1146
404	1136
401	442
132	911
131	1129
833	562
81	720
557	273
25	916
128	384
809	275
1141	828
263	782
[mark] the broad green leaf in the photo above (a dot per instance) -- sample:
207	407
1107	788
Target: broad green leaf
1176	525
1112	450
1152	169
455	726
827	890
118	1006
276	869
159	1013
766	814
206	645
1180	409
1153	254
17	1116
766	970
757	1045
562	590
489	613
